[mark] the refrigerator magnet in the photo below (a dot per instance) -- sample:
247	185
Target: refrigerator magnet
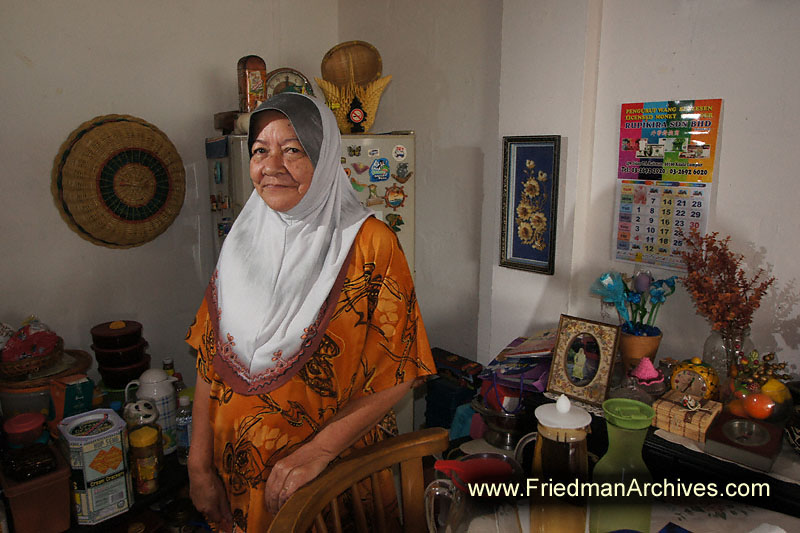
379	170
373	198
360	168
399	153
403	174
395	196
395	220
358	186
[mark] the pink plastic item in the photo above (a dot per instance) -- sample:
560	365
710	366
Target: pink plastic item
646	373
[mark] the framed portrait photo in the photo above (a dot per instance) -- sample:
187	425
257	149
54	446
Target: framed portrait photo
583	358
530	198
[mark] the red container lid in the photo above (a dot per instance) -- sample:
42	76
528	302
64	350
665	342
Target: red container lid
24	422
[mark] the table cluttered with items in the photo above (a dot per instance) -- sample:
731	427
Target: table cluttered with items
577	421
88	453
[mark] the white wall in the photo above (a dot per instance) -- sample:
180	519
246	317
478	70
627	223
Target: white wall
170	63
541	91
444	58
656	50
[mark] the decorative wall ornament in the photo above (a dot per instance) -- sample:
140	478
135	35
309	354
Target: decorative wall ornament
530	198
118	181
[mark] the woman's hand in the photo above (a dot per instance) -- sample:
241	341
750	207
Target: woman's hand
208	496
292	472
304	464
205	487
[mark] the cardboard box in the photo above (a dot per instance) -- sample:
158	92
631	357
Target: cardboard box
97	446
672	416
41	504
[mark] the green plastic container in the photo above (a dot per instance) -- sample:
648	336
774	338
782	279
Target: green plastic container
627	422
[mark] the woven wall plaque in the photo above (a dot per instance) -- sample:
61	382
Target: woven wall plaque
118	181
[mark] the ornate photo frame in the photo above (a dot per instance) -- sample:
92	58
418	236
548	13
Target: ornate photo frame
530	200
583	358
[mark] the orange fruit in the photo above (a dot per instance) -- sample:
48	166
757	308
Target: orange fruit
776	390
759	405
736	408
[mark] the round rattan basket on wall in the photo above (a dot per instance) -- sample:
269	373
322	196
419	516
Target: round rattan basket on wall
118	181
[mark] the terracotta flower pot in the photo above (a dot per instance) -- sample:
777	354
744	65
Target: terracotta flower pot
634	347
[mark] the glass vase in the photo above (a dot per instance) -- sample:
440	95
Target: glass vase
722	349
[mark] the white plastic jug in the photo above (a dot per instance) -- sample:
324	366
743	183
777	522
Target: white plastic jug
156	385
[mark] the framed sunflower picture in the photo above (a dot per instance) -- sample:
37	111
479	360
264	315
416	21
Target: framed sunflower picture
530	198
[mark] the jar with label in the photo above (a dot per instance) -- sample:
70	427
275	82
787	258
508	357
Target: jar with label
145	444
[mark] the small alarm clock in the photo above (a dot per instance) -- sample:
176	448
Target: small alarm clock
695	378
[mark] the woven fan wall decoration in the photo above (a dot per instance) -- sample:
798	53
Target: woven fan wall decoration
351	78
118	181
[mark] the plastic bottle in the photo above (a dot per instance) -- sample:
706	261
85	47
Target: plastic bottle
184	431
627	422
179	385
168	365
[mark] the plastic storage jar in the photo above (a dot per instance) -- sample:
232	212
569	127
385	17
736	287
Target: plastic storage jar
145	441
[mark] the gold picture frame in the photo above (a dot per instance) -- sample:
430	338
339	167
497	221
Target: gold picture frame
583	359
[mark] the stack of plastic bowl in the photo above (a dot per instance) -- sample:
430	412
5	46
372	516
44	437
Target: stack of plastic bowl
119	349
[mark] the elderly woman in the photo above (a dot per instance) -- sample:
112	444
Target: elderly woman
309	331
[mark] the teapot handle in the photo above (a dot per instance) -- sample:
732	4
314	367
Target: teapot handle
437	488
131	382
524	441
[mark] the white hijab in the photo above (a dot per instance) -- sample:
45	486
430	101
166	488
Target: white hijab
276	270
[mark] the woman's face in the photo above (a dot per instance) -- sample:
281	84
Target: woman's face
280	169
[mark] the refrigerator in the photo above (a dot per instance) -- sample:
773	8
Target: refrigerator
381	171
229	184
379	167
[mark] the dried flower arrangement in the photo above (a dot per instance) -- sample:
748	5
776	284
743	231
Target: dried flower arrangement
531	220
721	290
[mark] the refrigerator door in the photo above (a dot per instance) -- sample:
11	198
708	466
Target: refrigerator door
229	183
381	171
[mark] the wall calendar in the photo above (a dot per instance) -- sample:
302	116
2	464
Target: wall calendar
667	152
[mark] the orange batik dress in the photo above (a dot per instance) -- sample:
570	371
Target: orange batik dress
375	340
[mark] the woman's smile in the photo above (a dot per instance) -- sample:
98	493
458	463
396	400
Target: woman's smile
280	169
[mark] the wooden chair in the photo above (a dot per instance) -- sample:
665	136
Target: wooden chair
305	506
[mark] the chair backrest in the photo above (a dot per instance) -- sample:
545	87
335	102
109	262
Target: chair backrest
305	506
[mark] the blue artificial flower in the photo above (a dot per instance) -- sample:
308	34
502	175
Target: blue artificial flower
611	288
634	297
657	295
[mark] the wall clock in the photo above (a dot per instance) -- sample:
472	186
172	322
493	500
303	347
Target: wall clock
287	79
